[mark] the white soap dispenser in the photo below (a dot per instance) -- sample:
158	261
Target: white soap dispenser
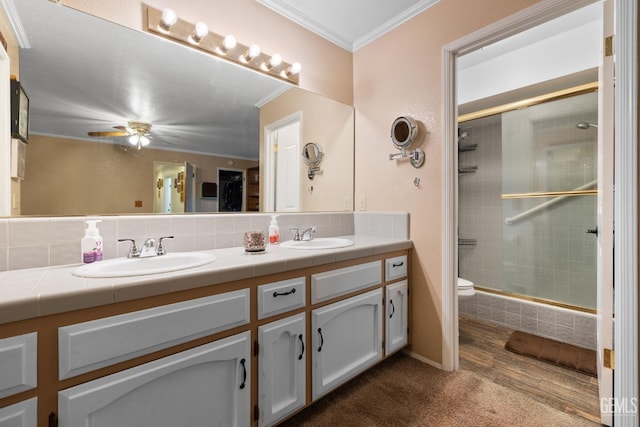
274	231
91	243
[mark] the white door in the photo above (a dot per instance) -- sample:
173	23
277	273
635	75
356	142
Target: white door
347	339
5	135
205	385
288	169
604	257
282	164
281	368
396	316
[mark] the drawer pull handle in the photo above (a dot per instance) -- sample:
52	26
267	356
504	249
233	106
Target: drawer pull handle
279	294
244	375
398	265
393	308
302	344
321	339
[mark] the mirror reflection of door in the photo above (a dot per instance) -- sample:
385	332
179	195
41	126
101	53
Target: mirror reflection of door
282	164
189	188
230	190
167	187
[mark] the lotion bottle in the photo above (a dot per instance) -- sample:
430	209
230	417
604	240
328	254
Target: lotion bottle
91	243
274	231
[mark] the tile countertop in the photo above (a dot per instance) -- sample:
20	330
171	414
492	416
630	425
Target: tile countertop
35	292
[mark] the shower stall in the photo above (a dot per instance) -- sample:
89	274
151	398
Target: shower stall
527	204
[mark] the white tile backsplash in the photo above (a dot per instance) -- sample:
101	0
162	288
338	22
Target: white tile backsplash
41	242
569	326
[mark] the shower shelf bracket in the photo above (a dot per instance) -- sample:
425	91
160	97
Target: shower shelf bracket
467	169
467	242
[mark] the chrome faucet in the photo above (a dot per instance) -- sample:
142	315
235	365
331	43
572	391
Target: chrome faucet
148	249
305	235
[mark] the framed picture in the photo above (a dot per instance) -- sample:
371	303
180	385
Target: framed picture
19	112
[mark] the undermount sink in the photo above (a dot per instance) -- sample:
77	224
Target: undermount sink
319	243
126	267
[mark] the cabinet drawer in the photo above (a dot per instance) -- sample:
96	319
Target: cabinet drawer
91	345
18	364
395	268
334	283
278	297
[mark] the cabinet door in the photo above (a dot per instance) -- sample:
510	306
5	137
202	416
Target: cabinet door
21	414
396	316
282	368
203	386
347	339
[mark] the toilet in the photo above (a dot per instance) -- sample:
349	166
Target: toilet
465	288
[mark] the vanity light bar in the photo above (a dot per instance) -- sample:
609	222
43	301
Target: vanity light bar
226	47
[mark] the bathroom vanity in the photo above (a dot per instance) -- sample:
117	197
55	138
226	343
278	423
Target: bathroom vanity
247	340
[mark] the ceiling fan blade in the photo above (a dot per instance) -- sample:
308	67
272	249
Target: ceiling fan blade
106	134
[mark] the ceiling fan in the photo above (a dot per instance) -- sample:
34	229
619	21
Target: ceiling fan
138	133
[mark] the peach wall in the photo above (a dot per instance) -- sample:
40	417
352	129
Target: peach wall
330	125
400	74
84	177
326	68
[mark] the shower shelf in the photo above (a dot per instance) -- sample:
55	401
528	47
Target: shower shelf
467	169
466	147
467	242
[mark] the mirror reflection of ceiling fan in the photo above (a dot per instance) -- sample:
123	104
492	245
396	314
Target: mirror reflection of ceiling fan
138	133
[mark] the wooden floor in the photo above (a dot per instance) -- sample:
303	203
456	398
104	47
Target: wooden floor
482	351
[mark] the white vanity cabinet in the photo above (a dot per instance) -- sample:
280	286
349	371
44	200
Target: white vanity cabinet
206	385
397	315
347	339
281	368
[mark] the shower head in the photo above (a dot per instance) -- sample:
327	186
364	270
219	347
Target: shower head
586	125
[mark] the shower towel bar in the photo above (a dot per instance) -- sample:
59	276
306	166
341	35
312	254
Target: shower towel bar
467	147
512	220
467	169
467	242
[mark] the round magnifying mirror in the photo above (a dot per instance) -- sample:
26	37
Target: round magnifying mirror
311	154
403	132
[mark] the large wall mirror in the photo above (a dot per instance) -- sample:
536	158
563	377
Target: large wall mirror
84	74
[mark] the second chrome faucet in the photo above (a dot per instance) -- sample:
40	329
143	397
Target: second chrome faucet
305	235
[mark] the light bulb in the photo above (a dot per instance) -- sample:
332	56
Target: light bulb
169	18
229	42
199	32
133	139
295	68
251	53
275	60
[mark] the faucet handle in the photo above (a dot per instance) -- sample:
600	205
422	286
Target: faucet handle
160	250
133	249
296	233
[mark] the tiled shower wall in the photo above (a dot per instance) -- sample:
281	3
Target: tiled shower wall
480	205
569	326
42	242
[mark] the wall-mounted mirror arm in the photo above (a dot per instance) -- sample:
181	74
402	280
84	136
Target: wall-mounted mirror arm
404	131
312	156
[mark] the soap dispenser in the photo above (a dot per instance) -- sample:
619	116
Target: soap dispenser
274	231
91	243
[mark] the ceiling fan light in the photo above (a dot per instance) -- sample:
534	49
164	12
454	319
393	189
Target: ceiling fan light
144	141
133	139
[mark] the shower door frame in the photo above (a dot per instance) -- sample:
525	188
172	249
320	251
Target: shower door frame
626	172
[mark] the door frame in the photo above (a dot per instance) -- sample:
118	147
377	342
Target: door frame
244	185
5	134
626	173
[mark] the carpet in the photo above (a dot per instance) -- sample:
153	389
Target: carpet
402	391
552	351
